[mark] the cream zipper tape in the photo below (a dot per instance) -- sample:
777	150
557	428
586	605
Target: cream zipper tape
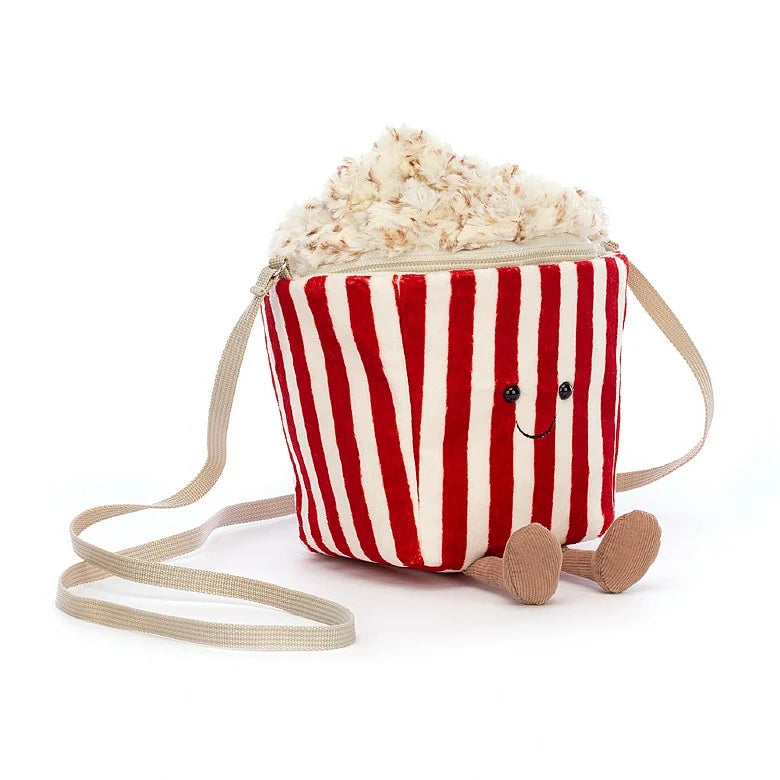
533	252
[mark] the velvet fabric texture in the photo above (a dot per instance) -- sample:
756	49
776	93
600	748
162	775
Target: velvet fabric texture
392	393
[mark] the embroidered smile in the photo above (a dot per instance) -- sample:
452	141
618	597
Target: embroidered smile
536	435
512	396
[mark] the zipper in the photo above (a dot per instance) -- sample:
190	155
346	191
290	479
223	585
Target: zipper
556	249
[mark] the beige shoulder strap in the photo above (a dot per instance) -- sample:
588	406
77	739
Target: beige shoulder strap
671	327
143	563
336	625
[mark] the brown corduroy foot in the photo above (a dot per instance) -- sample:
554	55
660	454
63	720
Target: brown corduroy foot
627	551
529	569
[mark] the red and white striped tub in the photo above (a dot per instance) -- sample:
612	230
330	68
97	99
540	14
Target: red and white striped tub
391	391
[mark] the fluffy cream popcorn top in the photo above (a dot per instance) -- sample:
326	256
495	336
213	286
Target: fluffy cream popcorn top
410	192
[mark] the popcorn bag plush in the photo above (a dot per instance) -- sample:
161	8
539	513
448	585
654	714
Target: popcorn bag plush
445	346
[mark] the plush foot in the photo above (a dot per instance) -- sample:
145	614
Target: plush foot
529	569
626	552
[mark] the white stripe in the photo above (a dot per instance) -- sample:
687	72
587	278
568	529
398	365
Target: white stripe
595	440
525	408
483	390
304	505
320	393
567	347
365	434
434	406
300	427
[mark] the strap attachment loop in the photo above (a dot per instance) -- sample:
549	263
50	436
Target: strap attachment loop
276	269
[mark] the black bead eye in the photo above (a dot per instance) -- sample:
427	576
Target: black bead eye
512	393
564	391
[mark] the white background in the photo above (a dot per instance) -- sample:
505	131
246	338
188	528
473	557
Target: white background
147	151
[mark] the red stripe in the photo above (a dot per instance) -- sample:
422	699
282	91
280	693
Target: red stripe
580	465
396	484
343	422
284	392
306	401
410	296
456	422
609	396
502	425
546	393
